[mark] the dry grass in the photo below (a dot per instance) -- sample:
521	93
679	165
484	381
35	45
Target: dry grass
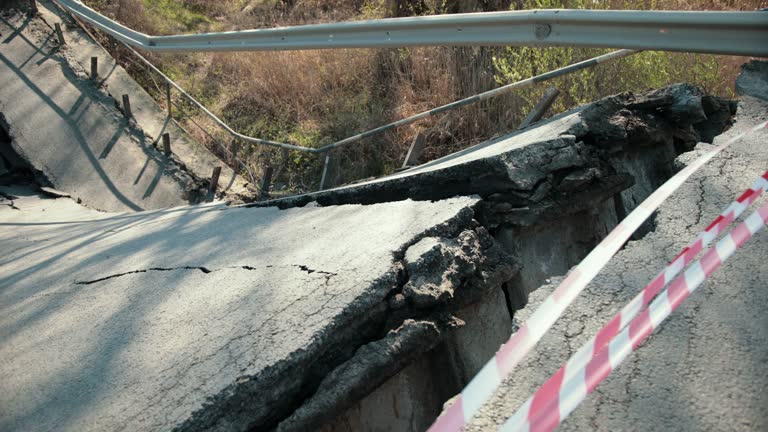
316	97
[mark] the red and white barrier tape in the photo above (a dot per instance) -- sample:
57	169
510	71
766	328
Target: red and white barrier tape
517	347
550	390
573	391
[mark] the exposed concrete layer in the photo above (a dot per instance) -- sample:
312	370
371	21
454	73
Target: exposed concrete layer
551	248
705	368
412	399
407	402
214	318
372	365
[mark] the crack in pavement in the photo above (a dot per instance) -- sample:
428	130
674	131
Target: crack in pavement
310	271
202	269
205	270
9	198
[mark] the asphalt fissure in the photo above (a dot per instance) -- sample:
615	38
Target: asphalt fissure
153	269
598	159
463	264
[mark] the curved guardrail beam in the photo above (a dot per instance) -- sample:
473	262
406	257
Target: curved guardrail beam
737	33
740	33
611	56
325	149
218	121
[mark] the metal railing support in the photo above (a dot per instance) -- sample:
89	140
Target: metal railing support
59	34
167	144
168	99
541	107
266	181
94	68
414	152
127	106
214	183
323	178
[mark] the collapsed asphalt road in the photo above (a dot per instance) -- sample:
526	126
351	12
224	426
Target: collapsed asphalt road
201	318
71	127
198	317
705	368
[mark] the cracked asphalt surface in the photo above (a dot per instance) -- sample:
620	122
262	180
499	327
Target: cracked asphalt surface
72	130
140	321
705	368
149	115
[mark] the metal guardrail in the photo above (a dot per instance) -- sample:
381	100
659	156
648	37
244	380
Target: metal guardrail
615	55
213	116
740	33
453	105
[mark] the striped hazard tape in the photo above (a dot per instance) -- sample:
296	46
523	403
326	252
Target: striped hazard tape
551	389
482	386
562	398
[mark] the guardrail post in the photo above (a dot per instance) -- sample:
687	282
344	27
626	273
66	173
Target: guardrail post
126	106
168	98
235	150
214	183
266	181
59	34
327	163
167	144
414	153
541	107
33	7
94	67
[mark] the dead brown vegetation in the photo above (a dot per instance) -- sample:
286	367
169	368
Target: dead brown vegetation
317	97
